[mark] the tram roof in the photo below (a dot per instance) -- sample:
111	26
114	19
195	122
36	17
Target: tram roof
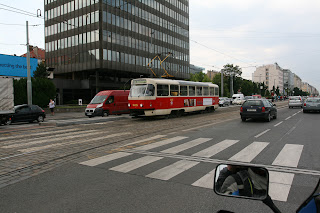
176	82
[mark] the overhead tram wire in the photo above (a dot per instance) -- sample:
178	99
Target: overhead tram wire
220	52
17	9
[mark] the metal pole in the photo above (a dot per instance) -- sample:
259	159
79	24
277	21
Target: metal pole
221	83
231	85
29	85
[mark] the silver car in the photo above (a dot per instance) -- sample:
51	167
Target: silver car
295	101
311	104
224	101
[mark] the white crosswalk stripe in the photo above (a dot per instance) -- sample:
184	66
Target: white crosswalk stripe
161	143
134	164
250	152
206	181
289	155
215	149
172	170
280	182
185	146
106	158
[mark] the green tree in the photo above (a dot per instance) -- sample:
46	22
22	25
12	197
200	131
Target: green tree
217	80
41	71
199	77
229	70
43	90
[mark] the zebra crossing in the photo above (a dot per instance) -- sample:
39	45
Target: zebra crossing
154	156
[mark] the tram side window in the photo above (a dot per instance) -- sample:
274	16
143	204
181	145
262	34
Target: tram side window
211	91
205	91
192	91
199	91
216	91
174	90
162	90
184	90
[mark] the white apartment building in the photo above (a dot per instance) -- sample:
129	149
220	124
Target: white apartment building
297	81
271	75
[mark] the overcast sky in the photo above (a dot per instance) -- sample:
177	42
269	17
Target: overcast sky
247	33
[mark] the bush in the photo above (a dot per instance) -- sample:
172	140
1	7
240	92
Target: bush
43	90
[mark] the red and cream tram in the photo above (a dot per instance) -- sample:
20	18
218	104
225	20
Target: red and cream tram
156	96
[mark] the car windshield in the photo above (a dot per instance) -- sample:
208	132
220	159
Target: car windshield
98	99
295	98
252	103
313	100
142	90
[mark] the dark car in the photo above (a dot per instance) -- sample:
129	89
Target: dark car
28	113
258	108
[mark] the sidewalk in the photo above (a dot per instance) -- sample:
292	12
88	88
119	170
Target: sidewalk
64	115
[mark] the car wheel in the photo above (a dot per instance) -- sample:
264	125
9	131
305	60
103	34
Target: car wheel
304	111
8	122
105	113
243	119
269	117
275	116
40	118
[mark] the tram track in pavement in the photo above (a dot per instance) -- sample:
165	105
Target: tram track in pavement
175	125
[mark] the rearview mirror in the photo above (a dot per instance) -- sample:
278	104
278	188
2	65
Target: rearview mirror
241	181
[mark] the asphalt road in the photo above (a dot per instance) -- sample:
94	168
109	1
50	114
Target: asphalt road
163	165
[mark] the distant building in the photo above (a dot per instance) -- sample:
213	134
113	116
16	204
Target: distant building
297	82
271	75
195	69
36	52
288	81
212	73
97	45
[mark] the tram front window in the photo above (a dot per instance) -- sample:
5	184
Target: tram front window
142	90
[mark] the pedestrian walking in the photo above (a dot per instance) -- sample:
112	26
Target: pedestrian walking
52	106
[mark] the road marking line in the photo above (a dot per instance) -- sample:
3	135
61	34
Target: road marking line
278	124
147	139
288	118
172	170
280	185
216	148
106	158
218	161
262	133
34	149
289	155
135	164
37	134
72	136
250	152
188	145
160	143
206	181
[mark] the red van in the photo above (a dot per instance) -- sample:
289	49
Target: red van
108	102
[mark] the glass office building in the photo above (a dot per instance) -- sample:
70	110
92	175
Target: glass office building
101	44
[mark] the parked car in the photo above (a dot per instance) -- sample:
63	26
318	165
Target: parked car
108	102
295	101
28	113
258	108
224	101
311	104
238	99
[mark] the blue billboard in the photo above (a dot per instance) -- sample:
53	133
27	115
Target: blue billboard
16	66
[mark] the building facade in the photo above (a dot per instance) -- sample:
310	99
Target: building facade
288	81
212	73
196	69
101	44
271	75
297	81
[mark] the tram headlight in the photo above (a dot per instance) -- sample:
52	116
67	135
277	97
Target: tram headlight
150	105
129	105
141	105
